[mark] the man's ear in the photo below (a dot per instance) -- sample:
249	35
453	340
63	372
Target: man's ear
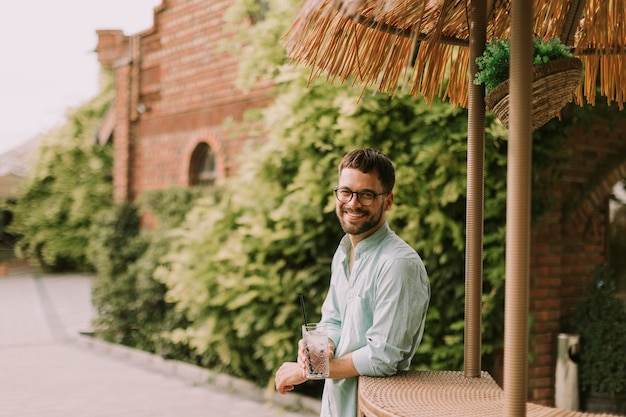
388	201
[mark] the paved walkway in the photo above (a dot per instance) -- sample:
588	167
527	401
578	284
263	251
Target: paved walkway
47	369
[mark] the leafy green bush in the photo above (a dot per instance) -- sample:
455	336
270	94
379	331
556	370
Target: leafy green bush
115	246
493	64
601	322
130	303
69	184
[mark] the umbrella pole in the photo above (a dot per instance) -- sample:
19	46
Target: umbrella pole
475	195
518	211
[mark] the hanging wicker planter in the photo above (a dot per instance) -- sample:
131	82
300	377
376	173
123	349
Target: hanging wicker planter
553	86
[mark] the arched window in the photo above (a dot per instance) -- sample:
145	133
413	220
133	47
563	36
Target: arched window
202	169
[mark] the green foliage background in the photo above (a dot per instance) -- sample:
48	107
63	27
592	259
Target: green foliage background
130	303
600	320
68	186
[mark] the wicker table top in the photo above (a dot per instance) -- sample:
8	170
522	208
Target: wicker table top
440	393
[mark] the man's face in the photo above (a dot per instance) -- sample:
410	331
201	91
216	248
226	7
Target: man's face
356	219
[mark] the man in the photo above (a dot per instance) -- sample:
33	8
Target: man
379	291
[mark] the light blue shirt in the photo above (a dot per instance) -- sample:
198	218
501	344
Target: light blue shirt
377	312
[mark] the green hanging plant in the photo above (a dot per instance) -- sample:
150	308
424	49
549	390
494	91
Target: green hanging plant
493	64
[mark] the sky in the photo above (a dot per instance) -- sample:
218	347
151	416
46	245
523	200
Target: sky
48	64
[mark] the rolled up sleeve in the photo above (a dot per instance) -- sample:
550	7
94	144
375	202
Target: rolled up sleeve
399	312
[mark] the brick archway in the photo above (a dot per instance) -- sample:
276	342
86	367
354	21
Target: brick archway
599	190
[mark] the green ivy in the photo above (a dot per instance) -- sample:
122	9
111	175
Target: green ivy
69	184
114	249
600	320
131	304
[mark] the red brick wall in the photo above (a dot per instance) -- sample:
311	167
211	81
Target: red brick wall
570	240
175	89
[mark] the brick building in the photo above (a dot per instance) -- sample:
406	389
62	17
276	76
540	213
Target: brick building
175	87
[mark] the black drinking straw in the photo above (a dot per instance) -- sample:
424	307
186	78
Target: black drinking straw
303	309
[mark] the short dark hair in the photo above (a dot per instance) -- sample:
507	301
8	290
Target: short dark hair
368	160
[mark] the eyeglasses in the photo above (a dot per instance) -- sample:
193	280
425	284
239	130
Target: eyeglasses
366	198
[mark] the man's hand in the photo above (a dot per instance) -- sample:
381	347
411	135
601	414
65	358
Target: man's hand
288	375
302	358
294	373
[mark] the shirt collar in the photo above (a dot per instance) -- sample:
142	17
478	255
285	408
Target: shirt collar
368	243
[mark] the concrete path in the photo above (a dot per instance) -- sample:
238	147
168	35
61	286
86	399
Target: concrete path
47	369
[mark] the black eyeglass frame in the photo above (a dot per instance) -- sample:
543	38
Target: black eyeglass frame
358	195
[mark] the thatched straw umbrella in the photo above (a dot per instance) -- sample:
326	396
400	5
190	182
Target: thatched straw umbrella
375	41
429	47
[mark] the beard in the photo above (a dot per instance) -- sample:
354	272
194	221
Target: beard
357	226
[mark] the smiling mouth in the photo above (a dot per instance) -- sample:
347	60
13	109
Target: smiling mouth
354	216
